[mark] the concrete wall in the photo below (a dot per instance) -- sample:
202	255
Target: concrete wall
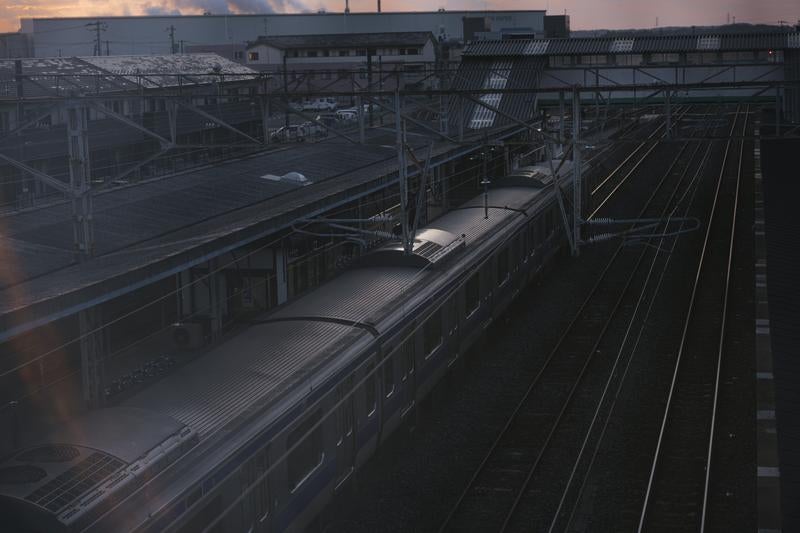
146	35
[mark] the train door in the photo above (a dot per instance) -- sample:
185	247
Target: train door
409	385
255	504
451	318
346	435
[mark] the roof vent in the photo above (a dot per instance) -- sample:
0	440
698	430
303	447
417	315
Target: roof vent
21	475
52	453
291	177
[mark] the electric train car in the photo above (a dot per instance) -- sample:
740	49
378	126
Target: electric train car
260	432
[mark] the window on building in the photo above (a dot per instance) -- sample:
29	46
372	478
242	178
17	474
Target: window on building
326	75
252	56
326	53
628	59
502	266
665	58
342	74
361	52
560	61
344	53
239	54
412	51
311	53
432	333
294	53
308	454
595	59
472	293
370	398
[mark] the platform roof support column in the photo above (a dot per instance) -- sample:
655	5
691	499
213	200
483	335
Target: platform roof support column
460	112
360	115
402	170
577	179
777	111
80	181
562	116
215	300
264	102
92	347
668	113
281	275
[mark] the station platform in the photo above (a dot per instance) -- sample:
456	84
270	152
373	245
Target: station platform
781	229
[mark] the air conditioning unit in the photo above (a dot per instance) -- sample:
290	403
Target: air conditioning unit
188	335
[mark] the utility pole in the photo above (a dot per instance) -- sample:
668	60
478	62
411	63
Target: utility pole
97	26
577	193
171	31
408	246
108	51
379	6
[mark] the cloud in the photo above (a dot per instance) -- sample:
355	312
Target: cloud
250	6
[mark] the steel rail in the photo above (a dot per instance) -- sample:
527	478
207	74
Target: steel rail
579	458
684	334
539	374
611	317
721	341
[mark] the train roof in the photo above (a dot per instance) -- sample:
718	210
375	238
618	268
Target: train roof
63	473
274	358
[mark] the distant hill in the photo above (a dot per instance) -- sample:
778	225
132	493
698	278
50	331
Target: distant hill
672	30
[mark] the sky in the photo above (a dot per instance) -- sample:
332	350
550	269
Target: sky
584	14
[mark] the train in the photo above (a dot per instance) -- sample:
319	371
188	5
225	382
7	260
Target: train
260	432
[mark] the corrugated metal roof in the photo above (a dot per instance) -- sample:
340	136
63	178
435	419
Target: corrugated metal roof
104	74
514	73
635	44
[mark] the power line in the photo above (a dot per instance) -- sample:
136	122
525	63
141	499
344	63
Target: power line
97	27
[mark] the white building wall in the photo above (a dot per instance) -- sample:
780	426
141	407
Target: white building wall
146	35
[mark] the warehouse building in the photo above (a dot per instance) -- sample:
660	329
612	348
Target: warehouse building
164	34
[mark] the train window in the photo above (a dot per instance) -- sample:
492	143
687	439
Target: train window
472	293
502	266
305	450
433	333
388	376
369	389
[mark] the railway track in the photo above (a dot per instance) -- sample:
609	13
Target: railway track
677	492
506	489
602	190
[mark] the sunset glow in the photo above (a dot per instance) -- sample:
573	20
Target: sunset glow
585	14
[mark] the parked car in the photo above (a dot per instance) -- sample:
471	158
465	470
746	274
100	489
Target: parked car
314	130
290	133
347	115
329	119
320	104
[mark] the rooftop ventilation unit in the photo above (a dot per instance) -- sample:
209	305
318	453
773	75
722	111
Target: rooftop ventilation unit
289	177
